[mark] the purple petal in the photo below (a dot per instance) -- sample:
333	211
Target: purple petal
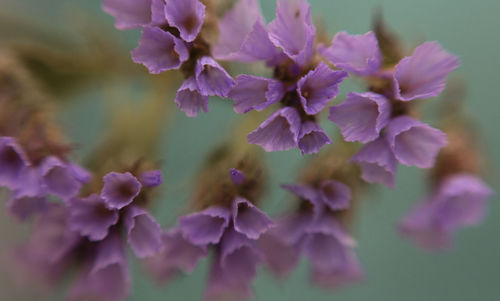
90	217
377	162
348	272
187	16
248	219
335	195
212	79
158	17
119	189
413	142
29	197
357	54
128	14
81	174
312	138
159	50
278	132
12	162
279	257
177	254
233	245
255	93
189	100
423	74
361	116
243	36
318	87
143	232
292	30
59	178
205	227
237	176
151	178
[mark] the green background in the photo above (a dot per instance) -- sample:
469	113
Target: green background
395	269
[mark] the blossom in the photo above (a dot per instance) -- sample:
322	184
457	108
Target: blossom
312	138
212	79
187	16
13	160
119	189
129	14
255	93
61	178
189	99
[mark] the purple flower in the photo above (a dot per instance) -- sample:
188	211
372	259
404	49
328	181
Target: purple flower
357	54
361	116
243	36
90	217
143	232
205	227
151	178
319	86
28	198
293	31
248	219
459	201
312	138
335	195
348	271
128	14
237	176
280	257
423	74
212	79
255	93
278	132
61	178
378	163
159	50
13	160
190	100
187	16
177	254
413	142
119	189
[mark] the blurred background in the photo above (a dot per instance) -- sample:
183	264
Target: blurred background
395	268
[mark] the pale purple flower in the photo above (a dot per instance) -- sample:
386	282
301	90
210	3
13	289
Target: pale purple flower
29	196
187	16
278	132
459	201
378	163
237	176
205	227
61	178
91	218
361	116
279	257
312	138
336	195
128	14
119	189
357	54
212	79
159	50
318	87
293	31
255	93
243	36
13	160
143	232
423	74
151	178
248	219
413	142
348	271
189	99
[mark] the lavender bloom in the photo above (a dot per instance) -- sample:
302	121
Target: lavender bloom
13	160
189	99
128	14
312	138
237	176
413	142
335	195
143	232
151	178
177	254
459	201
279	257
378	163
423	74
357	54
28	198
60	178
243	36
212	79
318	86
119	189
204	227
91	218
361	116
293	31
159	50
187	16
278	132
348	271
255	93
248	219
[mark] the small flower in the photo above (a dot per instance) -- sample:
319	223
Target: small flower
336	195
248	219
312	138
129	14
13	160
143	232
151	178
357	54
187	16
255	93
62	179
212	79
204	227
190	100
28	198
119	189
237	176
